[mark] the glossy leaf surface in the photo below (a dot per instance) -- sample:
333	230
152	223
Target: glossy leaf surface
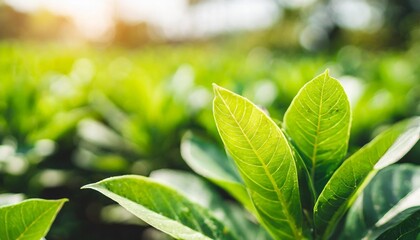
264	160
163	208
28	220
392	196
318	121
354	174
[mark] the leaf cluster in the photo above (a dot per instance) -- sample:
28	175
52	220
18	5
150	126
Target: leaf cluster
293	179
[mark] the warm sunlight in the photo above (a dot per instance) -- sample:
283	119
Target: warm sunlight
209	119
173	19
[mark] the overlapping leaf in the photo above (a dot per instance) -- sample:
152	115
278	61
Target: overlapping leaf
28	220
353	175
392	196
210	162
409	229
265	161
201	192
163	208
318	121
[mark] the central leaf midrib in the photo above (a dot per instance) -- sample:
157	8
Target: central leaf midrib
315	150
272	181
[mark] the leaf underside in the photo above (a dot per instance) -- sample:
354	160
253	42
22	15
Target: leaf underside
318	121
354	174
264	160
163	208
28	220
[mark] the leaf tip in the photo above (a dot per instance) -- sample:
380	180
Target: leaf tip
88	186
216	88
327	72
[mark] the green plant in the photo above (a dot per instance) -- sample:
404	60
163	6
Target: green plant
29	219
292	178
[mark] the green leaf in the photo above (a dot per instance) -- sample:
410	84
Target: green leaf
201	192
30	219
246	224
391	197
162	207
264	160
210	162
409	229
318	121
354	174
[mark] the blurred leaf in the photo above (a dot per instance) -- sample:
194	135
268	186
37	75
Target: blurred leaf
264	159
318	121
353	175
390	198
197	190
162	207
210	162
30	219
409	229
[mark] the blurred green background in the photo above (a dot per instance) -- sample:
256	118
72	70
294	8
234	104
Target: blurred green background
93	89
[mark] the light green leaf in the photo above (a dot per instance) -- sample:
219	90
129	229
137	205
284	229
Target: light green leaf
354	174
29	220
391	197
201	192
264	160
162	207
210	162
318	121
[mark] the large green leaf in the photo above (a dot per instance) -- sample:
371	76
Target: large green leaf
409	229
201	192
265	161
318	121
162	207
29	220
391	197
210	162
353	175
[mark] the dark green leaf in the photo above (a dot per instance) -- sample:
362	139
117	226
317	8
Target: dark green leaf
356	172
409	229
391	197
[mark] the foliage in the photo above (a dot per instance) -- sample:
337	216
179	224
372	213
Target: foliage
390	197
30	219
295	175
71	115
